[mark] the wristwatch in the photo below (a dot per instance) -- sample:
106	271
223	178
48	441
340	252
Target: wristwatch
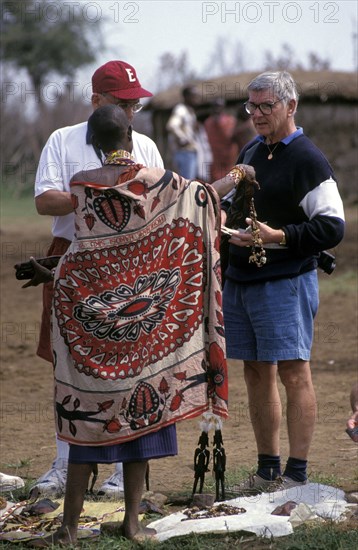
283	240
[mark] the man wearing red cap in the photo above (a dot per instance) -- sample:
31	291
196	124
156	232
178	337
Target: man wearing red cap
67	151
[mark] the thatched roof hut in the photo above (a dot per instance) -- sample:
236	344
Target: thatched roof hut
320	86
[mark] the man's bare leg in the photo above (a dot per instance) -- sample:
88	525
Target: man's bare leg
264	405
301	405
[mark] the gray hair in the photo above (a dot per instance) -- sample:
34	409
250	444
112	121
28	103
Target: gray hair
280	82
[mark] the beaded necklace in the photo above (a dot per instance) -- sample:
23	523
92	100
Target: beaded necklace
121	157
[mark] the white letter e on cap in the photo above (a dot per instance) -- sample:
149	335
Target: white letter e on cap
131	76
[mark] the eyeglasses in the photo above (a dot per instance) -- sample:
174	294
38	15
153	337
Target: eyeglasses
135	107
265	108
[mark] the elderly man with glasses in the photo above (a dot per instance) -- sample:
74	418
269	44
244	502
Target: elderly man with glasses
270	305
67	151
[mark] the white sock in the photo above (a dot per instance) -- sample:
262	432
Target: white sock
63	449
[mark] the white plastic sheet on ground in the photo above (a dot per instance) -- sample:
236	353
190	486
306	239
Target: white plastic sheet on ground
314	501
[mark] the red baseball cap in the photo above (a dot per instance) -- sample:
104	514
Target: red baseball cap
118	79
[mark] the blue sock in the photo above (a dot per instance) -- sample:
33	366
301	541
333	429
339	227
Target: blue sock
269	467
296	469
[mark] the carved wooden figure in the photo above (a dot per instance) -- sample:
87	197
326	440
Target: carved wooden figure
219	458
201	461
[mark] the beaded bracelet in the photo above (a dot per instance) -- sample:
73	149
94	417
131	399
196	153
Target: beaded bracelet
237	173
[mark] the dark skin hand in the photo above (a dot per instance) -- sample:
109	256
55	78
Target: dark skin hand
42	274
250	175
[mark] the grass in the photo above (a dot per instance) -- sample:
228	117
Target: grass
21	212
23	463
326	536
323	535
11	206
23	209
338	283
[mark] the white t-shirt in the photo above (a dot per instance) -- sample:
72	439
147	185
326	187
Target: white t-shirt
66	152
183	126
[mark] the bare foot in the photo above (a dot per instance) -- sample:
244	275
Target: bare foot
143	534
116	529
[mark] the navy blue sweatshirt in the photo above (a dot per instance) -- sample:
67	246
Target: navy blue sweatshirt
297	194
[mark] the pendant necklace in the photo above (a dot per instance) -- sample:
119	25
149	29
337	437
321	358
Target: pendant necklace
270	157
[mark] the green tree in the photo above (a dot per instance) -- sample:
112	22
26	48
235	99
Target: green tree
45	37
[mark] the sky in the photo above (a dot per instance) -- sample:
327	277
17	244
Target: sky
214	35
139	32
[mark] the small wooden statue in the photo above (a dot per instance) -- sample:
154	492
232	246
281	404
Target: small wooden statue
201	461
219	458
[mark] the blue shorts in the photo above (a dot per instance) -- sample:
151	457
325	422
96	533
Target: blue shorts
271	321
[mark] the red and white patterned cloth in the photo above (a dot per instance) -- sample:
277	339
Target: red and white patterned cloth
138	337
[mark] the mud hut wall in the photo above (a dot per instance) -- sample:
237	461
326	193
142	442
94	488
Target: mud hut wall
333	128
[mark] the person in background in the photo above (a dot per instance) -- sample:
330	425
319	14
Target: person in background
183	128
270	295
204	152
67	151
352	422
220	127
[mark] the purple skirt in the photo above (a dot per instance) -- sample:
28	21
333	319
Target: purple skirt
153	445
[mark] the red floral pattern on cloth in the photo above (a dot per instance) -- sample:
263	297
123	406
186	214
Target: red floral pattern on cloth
138	336
164	304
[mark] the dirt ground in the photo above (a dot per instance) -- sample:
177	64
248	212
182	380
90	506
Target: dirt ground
27	425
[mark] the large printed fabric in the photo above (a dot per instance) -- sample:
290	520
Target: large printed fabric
138	337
